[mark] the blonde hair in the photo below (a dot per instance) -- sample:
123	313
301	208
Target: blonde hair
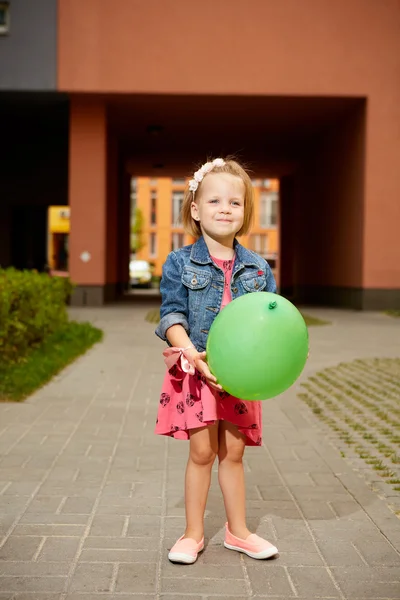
232	167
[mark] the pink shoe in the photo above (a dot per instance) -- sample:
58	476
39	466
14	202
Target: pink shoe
185	551
254	546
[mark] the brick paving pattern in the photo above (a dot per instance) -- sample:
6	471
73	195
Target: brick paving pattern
91	500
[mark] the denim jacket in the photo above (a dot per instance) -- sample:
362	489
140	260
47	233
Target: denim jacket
192	287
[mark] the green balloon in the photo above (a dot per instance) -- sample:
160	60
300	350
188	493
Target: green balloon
257	346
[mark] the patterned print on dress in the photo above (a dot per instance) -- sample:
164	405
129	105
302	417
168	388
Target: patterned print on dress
199	416
258	442
241	408
157	421
223	395
173	370
200	378
174	428
180	407
164	399
190	400
227	265
254	426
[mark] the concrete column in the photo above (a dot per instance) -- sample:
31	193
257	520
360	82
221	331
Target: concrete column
88	194
381	246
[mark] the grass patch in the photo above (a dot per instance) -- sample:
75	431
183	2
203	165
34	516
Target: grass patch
313	321
387	473
378	465
153	316
392	313
360	402
18	381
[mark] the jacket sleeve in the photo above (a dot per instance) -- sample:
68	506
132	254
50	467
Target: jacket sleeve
271	283
174	304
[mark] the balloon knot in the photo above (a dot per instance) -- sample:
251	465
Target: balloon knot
272	304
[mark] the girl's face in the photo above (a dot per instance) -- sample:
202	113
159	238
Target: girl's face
219	207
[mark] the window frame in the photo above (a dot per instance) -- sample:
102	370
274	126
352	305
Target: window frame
256	241
153	238
267	199
177	236
153	208
176	219
5	28
273	199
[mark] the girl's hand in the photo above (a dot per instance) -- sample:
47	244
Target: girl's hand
199	360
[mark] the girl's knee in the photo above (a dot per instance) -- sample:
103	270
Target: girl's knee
204	445
231	443
203	456
232	452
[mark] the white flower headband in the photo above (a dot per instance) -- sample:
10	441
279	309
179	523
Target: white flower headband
206	168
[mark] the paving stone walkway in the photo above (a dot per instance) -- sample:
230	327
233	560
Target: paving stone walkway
91	500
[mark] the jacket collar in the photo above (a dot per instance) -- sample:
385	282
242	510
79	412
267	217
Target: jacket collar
200	254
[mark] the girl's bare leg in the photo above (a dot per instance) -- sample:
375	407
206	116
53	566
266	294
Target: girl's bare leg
203	450
231	477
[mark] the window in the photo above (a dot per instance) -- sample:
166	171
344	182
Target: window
133	194
153	245
268	209
273	210
153	182
177	201
259	243
153	208
177	241
178	181
4	18
263	209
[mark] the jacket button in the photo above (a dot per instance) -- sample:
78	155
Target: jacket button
194	281
235	290
256	285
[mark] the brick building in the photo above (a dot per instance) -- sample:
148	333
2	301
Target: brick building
92	93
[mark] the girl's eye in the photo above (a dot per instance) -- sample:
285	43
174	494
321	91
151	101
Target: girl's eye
236	203
213	201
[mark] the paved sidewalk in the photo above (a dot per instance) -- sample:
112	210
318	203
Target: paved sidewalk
91	500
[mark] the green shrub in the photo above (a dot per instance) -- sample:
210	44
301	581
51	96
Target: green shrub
32	307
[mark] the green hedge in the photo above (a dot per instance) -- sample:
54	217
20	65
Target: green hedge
32	307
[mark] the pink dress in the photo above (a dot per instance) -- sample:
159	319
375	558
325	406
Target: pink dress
188	402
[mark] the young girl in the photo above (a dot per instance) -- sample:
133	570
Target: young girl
197	282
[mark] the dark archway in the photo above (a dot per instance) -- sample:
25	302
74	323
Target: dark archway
315	146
